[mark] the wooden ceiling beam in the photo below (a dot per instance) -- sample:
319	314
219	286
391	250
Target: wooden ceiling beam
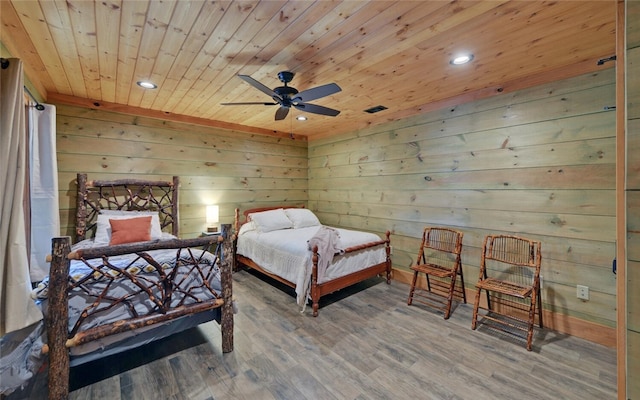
56	98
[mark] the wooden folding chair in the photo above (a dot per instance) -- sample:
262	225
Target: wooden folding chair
438	258
510	276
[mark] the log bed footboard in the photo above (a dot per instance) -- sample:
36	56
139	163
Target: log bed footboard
60	339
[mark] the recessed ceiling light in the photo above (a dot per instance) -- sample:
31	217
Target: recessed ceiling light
301	118
147	84
461	59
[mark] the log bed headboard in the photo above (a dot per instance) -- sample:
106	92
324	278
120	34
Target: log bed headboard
125	195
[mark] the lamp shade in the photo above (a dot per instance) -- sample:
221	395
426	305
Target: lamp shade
212	214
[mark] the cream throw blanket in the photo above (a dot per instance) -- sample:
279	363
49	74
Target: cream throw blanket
328	240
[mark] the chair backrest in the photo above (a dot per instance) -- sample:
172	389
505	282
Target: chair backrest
441	246
511	258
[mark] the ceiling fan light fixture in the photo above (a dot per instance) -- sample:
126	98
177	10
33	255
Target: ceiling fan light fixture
301	118
147	84
461	59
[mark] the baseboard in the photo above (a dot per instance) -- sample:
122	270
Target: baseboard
590	331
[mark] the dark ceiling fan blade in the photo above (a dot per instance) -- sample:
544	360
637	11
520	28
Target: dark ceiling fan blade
318	92
284	96
248	104
281	113
315	109
259	86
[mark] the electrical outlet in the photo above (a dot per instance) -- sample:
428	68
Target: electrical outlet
582	292
541	287
390	250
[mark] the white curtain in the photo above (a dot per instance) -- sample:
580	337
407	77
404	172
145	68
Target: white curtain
17	309
43	168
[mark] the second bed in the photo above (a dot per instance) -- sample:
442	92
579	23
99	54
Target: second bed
290	245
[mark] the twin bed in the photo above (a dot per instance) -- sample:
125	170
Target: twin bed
290	245
129	280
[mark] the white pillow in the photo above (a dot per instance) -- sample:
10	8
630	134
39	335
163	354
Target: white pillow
167	235
156	229
247	227
272	220
83	244
103	229
302	217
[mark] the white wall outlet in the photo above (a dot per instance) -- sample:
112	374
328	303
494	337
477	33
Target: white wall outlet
541	283
582	292
391	250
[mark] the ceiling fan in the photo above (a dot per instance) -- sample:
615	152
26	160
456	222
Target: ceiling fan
287	96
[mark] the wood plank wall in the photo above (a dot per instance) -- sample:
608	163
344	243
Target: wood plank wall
538	162
632	66
228	168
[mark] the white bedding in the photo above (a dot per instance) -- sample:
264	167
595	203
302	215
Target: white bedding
285	253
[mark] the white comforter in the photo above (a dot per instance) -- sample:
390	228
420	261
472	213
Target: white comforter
286	253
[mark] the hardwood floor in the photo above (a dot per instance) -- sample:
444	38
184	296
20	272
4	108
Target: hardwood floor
366	343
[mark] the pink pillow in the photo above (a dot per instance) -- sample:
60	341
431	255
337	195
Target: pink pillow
130	230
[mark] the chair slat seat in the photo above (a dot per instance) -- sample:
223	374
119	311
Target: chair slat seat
438	257
433	269
509	288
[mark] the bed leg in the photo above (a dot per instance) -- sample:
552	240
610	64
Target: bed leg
57	326
226	275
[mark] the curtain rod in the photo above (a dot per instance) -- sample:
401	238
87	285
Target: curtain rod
38	106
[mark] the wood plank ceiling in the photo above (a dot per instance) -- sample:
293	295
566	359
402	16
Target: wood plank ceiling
390	53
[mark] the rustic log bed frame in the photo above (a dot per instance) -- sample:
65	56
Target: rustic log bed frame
318	290
129	195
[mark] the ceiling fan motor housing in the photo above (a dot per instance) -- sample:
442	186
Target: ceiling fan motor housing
285	76
284	91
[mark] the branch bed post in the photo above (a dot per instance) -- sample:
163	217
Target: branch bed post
57	329
236	228
388	255
226	276
81	208
175	225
